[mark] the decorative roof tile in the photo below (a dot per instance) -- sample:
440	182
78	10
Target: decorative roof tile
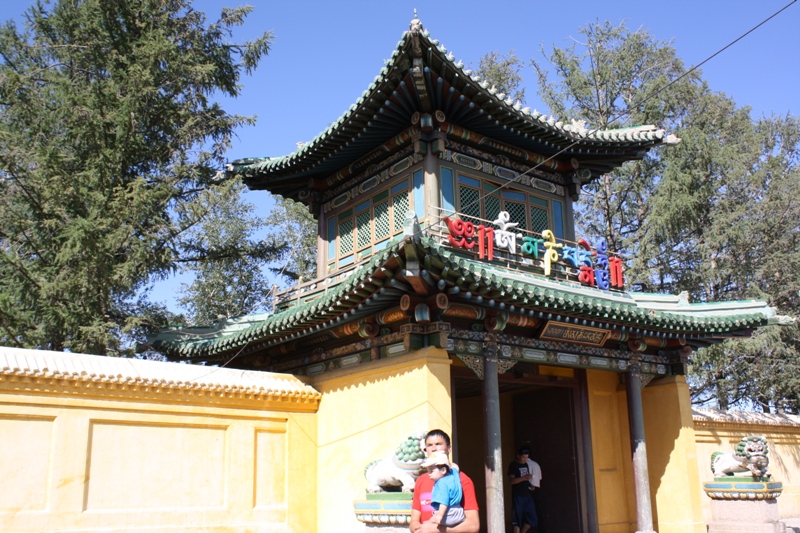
525	293
355	132
703	417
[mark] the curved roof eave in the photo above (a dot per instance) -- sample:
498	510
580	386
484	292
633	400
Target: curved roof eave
384	109
525	292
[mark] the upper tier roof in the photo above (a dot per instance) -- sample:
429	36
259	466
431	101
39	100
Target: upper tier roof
423	77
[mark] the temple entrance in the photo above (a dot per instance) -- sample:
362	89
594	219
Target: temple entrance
544	420
542	412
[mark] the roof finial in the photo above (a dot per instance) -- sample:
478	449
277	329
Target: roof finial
416	24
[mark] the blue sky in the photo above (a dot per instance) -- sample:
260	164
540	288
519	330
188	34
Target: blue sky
326	53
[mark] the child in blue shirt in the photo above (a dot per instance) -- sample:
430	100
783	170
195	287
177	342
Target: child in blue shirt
447	494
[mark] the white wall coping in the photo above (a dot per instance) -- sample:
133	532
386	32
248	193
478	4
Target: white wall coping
702	415
139	374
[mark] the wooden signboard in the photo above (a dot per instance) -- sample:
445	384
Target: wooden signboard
558	331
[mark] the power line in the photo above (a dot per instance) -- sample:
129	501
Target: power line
482	195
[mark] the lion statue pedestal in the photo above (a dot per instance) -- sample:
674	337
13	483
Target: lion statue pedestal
747	502
385	512
390	485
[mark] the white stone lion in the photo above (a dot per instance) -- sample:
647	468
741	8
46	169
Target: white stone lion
400	469
751	455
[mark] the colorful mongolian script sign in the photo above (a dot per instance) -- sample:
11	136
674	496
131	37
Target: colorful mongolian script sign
593	265
579	334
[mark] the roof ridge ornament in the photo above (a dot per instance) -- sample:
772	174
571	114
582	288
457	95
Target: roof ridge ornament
416	25
578	125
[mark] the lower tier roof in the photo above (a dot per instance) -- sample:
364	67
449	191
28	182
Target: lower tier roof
420	267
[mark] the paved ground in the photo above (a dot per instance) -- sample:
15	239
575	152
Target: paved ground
792	525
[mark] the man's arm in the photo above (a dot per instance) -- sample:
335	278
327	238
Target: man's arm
415	520
515	480
471	524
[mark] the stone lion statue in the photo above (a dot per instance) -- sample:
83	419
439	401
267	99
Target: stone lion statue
400	469
751	454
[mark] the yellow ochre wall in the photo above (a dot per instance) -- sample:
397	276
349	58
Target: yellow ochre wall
89	448
364	415
102	444
611	453
672	457
671	453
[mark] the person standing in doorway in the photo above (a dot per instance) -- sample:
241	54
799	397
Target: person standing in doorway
421	509
523	512
536	481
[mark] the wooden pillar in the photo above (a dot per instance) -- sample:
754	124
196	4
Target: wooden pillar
493	463
432	187
454	418
641	481
590	491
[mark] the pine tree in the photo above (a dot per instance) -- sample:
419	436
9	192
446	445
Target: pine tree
611	80
750	248
108	137
716	216
503	73
227	260
291	223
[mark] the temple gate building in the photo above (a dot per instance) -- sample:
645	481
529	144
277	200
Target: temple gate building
452	292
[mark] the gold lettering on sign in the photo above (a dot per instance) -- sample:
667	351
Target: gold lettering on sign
578	334
458	311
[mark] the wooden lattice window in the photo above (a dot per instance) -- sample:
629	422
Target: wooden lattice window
401	203
477	198
368	225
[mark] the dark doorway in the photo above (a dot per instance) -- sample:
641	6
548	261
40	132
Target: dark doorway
545	420
543	411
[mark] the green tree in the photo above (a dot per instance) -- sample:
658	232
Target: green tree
503	73
750	248
609	81
290	222
716	216
674	243
227	260
108	137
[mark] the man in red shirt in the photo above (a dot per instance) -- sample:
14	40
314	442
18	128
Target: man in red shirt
421	510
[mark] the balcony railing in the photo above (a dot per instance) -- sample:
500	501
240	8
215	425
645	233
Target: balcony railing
514	250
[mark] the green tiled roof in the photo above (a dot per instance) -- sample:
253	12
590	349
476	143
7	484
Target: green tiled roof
373	287
668	313
386	106
331	307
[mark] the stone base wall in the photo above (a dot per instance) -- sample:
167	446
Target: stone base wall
744	516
